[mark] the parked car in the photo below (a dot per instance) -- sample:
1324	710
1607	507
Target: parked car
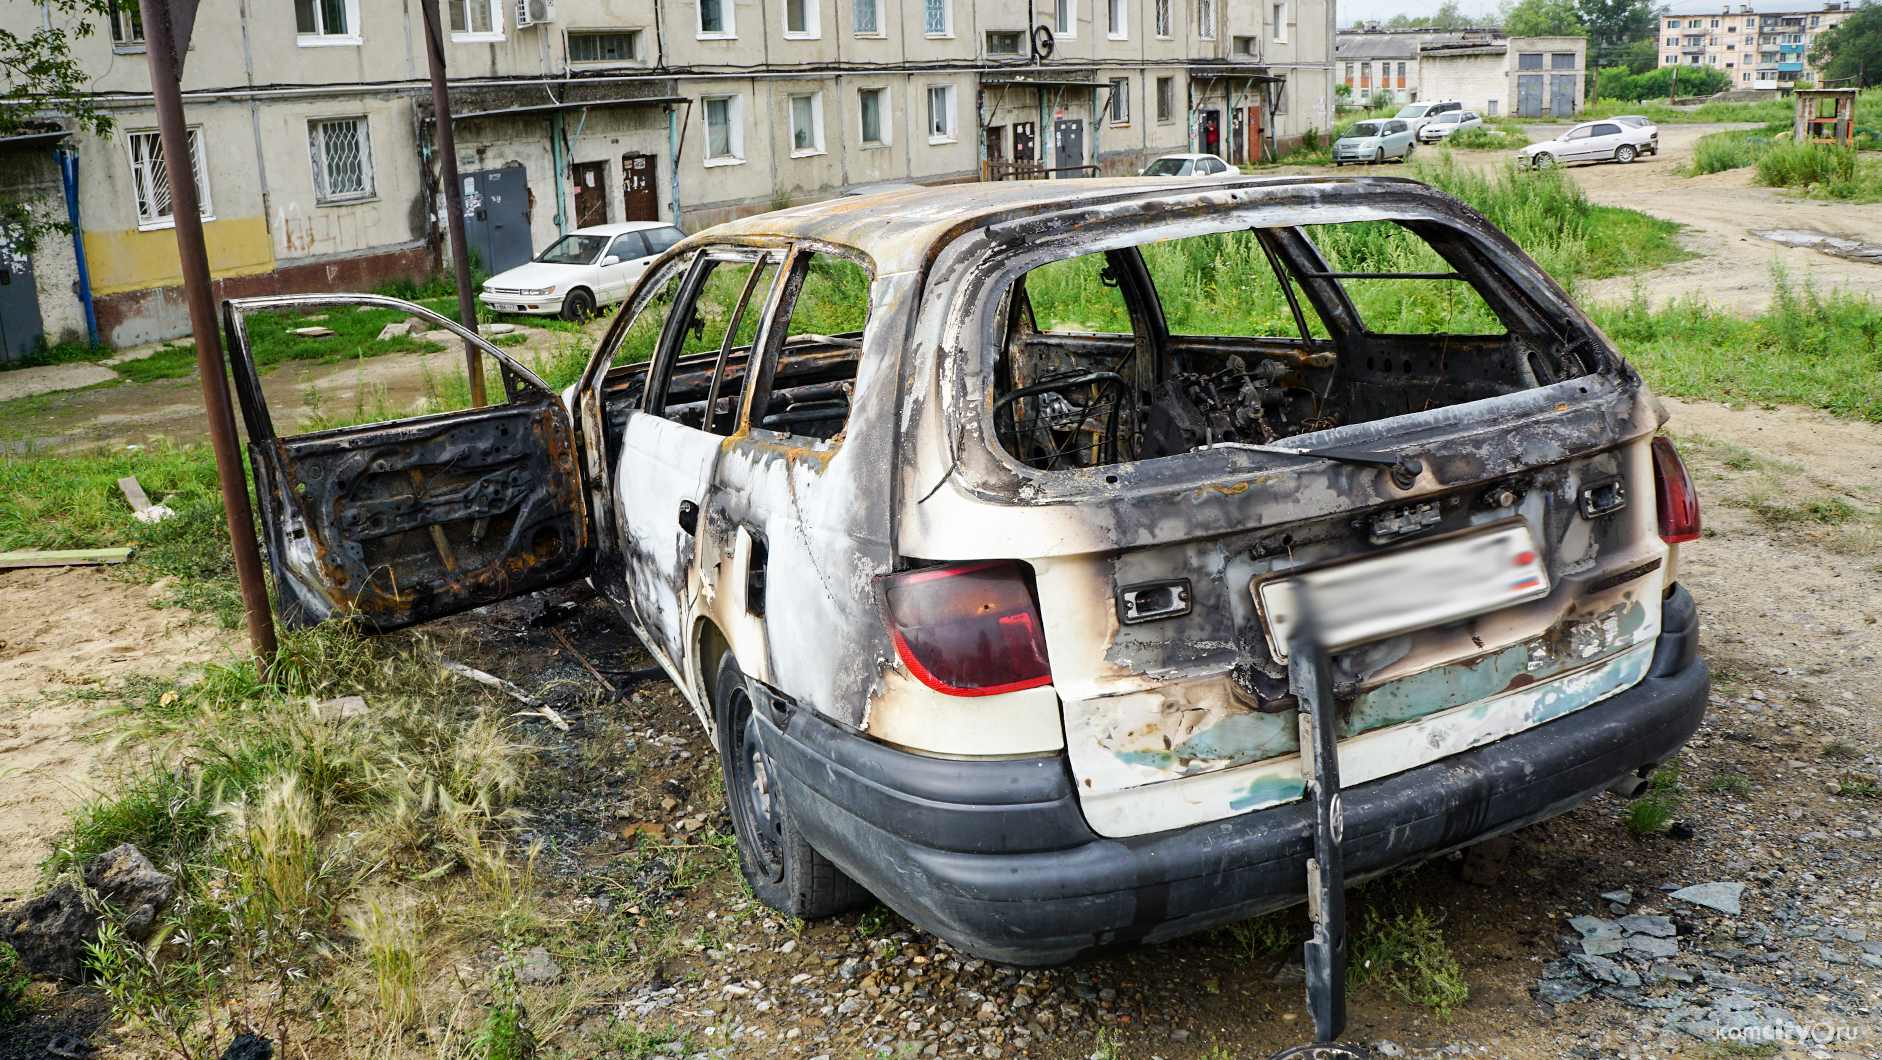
1417	114
589	267
1190	166
1444	125
966	518
1594	141
1373	141
1638	121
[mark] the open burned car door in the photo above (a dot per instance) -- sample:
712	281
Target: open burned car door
406	520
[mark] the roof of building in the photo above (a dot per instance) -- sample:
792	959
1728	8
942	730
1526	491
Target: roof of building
1396	44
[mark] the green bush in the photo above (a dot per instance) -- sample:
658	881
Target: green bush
1487	138
1616	83
1795	165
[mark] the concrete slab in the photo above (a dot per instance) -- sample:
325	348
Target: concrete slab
25	382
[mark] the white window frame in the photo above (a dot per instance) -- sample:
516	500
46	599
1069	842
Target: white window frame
127	26
727	19
735	129
323	39
1164	19
1279	13
1117	20
813	22
316	143
1166	116
471	36
885	128
946	32
1117	111
633	34
149	138
1205	19
881	8
816	124
950	130
1065	19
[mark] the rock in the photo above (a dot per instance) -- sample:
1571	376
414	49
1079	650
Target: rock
249	1047
1618	897
496	329
49	933
1601	947
1561	970
1651	946
1607	971
1595	928
345	708
1720	896
416	326
1387	1047
1561	991
1663	970
536	968
395	329
1657	926
313	332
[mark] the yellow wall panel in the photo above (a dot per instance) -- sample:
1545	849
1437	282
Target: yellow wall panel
130	260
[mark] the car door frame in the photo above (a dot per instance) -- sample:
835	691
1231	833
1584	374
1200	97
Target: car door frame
314	524
618	283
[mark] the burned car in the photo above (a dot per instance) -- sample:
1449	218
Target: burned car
970	521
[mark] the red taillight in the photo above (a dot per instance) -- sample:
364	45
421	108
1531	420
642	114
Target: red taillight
1678	500
969	630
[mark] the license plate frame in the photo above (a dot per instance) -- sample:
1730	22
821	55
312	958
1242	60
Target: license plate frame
1341	583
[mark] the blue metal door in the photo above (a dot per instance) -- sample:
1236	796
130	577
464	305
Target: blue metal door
496	217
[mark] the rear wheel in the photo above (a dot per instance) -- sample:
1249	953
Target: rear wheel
1378	157
1543	160
1406	157
1624	154
784	871
578	306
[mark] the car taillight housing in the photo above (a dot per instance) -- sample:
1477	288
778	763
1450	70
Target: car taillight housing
1678	500
967	630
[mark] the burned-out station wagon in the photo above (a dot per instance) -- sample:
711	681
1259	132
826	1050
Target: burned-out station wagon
973	521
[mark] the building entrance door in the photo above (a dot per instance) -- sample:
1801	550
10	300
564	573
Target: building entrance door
21	329
1254	134
1068	145
1561	95
1209	133
638	173
496	217
591	193
1529	95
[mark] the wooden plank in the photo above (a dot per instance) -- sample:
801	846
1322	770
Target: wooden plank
134	493
77	557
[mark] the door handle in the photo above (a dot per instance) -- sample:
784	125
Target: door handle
689	517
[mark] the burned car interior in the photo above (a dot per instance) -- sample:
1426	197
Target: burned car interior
1178	344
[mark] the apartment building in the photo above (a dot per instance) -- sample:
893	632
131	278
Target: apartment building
1379	66
312	124
1758	49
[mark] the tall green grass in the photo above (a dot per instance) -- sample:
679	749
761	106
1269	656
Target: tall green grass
1795	165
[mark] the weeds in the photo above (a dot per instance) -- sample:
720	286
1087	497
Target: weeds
1842	751
1408	952
1730	784
13	983
391	940
1654	811
507	1033
1262	935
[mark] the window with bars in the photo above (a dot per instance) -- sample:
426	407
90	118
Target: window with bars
127	23
342	152
1163	18
1166	99
150	179
936	20
604	47
1205	19
472	17
868	17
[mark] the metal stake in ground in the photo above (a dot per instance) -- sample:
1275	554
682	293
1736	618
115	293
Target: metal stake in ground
446	139
167	27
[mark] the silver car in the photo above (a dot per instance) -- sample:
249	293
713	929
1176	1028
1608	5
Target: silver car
1444	125
1594	141
1373	141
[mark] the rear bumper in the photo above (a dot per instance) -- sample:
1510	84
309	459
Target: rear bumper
995	857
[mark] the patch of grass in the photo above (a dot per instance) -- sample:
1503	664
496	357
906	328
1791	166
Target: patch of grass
1407	951
507	1033
1488	138
1654	811
392	940
1794	165
1735	149
60	353
1730	784
1259	936
1866	787
14	1005
1844	751
1823	512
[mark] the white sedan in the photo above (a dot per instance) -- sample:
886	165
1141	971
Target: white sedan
1594	141
584	269
1447	123
1190	166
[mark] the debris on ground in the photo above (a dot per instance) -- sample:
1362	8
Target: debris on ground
49	933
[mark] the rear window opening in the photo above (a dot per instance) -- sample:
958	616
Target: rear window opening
1260	335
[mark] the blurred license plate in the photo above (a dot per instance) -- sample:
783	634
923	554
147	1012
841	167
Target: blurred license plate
1361	600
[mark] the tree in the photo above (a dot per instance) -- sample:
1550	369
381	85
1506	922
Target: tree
1543	18
1614	23
1448	16
1853	48
43	82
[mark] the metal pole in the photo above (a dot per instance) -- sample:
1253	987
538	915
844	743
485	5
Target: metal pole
453	194
166	47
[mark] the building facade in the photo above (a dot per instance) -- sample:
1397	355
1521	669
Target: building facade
1757	49
1379	67
1523	77
313	122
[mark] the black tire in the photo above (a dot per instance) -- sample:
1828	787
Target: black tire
1624	154
1406	157
1543	160
1378	157
784	870
579	305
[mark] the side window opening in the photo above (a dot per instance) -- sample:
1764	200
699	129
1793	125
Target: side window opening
1257	336
806	392
712	337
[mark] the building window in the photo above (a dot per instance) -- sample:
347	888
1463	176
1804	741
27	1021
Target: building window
318	22
1401	73
1114	24
1715	23
470	19
1561	60
1243	46
1163	19
807	124
1120	101
1280	95
940	114
604	47
937	18
150	179
1490	110
342	152
1529	61
1205	19
800	20
868	17
1166	99
873	102
1065	18
1003	42
1692	24
715	20
1280	23
127	24
725	137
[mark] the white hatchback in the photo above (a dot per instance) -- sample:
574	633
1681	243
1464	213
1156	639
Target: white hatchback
1594	141
584	269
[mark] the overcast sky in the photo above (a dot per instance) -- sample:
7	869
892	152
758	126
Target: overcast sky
1353	10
